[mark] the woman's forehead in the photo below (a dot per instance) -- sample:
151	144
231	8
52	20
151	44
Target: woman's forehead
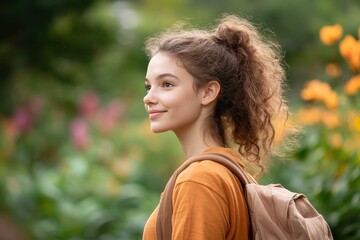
162	64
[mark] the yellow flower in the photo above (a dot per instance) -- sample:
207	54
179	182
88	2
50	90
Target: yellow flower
330	34
333	70
356	123
353	85
353	120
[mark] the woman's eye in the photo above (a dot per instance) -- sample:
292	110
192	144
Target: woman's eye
147	87
167	84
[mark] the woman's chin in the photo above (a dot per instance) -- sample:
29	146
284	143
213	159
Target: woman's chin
158	130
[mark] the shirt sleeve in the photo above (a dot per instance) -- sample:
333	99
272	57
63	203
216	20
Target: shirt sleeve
199	213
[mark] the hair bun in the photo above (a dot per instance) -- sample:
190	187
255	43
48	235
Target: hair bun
232	33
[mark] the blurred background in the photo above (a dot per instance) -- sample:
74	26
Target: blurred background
77	157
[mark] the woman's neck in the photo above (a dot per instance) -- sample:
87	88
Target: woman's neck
195	142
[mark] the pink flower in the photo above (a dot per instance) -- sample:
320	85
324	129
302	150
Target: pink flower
89	103
110	115
25	116
79	133
22	120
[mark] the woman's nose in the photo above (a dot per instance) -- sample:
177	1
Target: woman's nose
149	97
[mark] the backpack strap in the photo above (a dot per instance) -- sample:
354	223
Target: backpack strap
163	223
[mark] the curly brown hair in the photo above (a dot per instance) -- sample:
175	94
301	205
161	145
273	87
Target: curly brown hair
250	72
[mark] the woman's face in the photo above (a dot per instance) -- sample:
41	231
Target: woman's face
171	100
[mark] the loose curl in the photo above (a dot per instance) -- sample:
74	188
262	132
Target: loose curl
250	72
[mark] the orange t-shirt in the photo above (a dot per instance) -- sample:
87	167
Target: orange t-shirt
208	203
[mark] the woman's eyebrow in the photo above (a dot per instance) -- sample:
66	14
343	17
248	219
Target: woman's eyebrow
164	75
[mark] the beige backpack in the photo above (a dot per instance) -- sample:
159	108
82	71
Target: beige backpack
275	212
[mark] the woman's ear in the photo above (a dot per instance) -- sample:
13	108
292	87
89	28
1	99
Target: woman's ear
210	92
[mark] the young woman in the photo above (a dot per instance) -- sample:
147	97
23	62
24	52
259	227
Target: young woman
218	91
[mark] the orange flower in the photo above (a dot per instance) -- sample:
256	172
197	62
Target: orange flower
330	34
331	100
313	115
309	116
353	85
330	119
350	50
346	46
333	70
336	140
316	90
354	59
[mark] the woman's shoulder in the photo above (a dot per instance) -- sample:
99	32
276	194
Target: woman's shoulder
207	172
206	175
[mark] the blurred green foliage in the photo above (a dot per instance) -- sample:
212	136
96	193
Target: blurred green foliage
77	158
326	165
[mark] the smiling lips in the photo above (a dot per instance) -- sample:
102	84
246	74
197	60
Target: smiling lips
155	114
